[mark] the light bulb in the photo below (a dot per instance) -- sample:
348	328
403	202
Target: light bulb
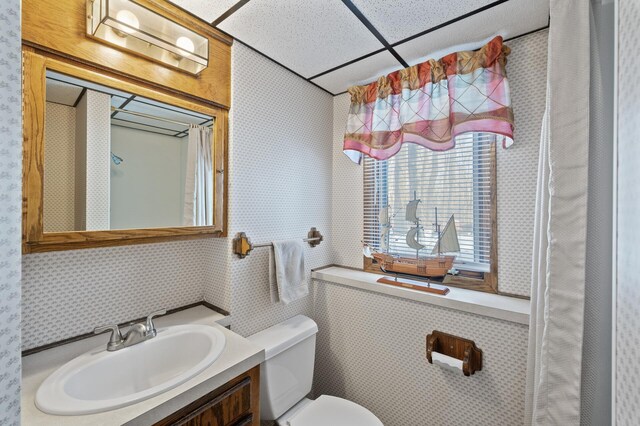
129	19
185	44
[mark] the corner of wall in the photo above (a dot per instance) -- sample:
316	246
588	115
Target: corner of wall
347	194
10	211
280	181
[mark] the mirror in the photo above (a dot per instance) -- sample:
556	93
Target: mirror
115	160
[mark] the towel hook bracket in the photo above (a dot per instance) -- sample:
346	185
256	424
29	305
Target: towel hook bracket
242	246
314	237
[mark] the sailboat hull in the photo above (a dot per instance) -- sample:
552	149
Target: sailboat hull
426	267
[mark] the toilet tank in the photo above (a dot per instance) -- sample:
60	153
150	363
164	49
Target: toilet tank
287	372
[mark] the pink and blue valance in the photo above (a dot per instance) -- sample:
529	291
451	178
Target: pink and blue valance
429	104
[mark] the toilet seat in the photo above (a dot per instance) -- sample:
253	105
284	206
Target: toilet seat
330	410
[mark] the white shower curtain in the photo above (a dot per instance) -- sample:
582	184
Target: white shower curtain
558	273
198	193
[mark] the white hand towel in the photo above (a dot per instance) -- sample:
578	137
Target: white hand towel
286	272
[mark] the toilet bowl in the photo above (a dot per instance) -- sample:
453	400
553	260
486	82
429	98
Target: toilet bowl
328	411
286	377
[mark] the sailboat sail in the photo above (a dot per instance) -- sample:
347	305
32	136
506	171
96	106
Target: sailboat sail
412	211
448	239
383	216
411	239
384	240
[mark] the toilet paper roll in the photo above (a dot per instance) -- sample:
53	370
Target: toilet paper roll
446	361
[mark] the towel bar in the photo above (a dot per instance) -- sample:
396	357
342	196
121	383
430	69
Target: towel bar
242	245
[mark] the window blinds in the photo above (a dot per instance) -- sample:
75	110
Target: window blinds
456	182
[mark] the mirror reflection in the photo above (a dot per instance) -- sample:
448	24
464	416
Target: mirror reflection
116	160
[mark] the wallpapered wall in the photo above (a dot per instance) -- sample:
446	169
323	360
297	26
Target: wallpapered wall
70	292
10	210
59	173
272	144
280	164
371	350
93	117
627	380
596	357
371	347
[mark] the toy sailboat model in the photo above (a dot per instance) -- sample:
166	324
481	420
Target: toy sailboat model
385	224
436	265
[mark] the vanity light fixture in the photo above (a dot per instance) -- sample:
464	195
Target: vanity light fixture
127	25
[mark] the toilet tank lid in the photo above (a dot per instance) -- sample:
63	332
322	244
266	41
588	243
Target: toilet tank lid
284	335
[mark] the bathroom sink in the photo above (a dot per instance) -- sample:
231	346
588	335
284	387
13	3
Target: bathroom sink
100	380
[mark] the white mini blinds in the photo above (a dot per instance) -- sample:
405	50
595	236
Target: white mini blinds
457	182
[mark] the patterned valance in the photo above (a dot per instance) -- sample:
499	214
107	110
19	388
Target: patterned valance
431	103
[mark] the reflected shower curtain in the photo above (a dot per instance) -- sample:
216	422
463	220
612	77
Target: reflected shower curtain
554	367
198	194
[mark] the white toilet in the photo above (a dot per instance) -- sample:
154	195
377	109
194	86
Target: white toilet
286	376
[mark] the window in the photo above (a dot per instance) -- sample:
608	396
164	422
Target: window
458	182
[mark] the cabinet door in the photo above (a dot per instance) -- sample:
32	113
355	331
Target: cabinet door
234	404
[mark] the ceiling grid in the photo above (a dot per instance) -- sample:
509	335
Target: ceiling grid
334	44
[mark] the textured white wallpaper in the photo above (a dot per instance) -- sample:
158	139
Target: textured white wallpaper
596	357
371	350
347	199
97	107
70	292
627	403
59	170
10	210
280	182
518	166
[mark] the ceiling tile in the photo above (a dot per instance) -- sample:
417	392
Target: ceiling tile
308	37
208	10
117	101
123	120
509	19
163	112
62	93
173	107
361	72
83	83
397	20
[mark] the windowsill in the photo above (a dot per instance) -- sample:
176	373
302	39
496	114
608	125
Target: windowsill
491	305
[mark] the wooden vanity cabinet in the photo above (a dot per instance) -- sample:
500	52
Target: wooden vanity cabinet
236	403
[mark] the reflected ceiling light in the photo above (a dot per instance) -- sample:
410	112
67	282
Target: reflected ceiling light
127	25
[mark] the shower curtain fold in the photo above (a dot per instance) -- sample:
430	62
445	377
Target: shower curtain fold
198	194
554	367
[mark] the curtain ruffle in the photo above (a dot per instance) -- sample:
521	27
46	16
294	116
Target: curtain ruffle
431	103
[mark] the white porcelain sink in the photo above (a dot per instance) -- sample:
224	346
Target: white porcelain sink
100	380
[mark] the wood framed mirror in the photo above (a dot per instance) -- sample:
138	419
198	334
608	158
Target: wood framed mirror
129	178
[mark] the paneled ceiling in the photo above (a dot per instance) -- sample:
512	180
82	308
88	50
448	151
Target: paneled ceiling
132	111
338	43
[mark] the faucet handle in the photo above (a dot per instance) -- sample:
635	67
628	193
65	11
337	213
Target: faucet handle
116	337
151	328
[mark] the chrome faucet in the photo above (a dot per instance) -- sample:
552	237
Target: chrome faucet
137	333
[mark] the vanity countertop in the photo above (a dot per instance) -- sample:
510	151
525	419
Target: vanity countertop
238	356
